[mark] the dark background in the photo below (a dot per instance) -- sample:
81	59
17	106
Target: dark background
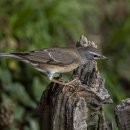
32	24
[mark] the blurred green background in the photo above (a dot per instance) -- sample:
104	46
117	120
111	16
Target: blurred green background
33	24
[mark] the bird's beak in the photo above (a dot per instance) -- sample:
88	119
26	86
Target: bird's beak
104	57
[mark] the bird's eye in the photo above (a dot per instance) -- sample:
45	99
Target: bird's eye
96	56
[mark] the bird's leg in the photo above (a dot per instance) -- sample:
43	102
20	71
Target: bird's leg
70	82
66	85
56	81
50	75
63	83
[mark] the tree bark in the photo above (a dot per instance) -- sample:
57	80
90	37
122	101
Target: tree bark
122	113
79	106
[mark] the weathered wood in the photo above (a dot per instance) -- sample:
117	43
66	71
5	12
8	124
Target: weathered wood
122	113
6	115
75	107
103	124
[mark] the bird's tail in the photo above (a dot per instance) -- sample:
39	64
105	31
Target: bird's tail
9	55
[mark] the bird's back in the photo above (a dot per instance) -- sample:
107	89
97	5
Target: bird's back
49	59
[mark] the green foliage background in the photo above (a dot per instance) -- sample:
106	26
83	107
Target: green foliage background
33	24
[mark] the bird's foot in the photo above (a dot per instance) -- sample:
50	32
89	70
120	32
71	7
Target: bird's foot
57	81
69	84
66	85
63	83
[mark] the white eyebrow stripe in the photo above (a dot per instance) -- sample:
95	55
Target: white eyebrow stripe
51	56
94	53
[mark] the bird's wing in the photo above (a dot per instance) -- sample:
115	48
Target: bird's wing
54	56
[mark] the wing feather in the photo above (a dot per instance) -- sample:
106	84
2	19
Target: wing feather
53	56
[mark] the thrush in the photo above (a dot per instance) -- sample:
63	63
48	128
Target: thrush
56	60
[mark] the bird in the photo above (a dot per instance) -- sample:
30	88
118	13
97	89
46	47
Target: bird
56	60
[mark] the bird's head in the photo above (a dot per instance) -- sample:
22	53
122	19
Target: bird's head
90	53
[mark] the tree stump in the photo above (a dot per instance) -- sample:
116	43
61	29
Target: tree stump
122	113
79	106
